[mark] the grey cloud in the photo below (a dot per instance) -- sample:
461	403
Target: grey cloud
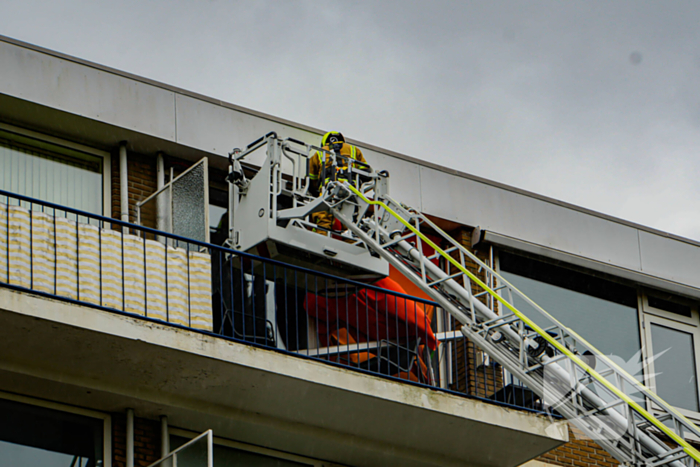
538	94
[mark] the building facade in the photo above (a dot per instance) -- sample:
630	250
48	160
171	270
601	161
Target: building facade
107	358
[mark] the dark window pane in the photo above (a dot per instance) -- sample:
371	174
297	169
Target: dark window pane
602	312
568	279
215	215
672	307
674	367
225	456
31	435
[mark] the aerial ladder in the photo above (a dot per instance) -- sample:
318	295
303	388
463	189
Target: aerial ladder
575	379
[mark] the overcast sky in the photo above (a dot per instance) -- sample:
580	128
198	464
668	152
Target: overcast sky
596	103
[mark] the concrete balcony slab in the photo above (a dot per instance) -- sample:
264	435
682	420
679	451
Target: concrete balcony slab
106	361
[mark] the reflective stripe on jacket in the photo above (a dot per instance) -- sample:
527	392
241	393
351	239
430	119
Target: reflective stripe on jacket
316	162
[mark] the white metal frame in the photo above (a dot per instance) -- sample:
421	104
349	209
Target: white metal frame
693	319
689	325
495	259
648	315
255	449
107	419
209	435
169	187
552	365
255	217
106	159
444	350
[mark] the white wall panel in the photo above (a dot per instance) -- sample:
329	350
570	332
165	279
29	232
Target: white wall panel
529	219
404	176
218	129
671	259
86	91
157	113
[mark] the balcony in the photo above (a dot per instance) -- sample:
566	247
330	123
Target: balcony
108	315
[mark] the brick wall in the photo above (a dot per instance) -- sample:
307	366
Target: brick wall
478	377
146	441
142	183
580	451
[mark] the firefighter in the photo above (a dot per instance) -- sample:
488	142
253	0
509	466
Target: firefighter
333	141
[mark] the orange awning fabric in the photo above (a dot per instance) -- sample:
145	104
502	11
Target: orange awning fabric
372	314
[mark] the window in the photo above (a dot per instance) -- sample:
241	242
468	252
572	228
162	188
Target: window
218	207
216	213
33	435
674	366
672	336
669	305
602	312
230	454
52	172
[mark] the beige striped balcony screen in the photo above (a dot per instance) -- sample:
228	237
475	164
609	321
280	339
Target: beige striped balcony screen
104	267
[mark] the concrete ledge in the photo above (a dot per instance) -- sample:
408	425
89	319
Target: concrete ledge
99	106
251	394
536	464
274	362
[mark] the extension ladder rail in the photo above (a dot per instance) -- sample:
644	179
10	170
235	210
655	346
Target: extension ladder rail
552	360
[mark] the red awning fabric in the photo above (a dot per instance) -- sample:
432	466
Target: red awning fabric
373	315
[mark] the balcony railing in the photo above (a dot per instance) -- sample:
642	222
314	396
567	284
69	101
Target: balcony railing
79	257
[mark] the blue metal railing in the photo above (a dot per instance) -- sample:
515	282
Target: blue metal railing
105	263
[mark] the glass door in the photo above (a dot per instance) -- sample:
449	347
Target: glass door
672	356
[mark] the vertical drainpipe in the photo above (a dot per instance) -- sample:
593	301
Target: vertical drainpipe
129	437
160	201
164	436
123	182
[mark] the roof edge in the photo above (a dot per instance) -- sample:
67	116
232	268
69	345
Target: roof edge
379	149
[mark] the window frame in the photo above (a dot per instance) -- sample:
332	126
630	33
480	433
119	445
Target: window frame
106	418
495	254
579	270
654	316
59	142
646	316
693	319
252	448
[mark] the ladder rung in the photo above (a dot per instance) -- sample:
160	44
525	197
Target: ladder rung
667	457
607	406
500	321
561	356
486	291
644	424
437	255
546	331
396	240
562	331
551	328
446	278
588	379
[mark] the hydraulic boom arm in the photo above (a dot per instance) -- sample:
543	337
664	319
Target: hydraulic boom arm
552	361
